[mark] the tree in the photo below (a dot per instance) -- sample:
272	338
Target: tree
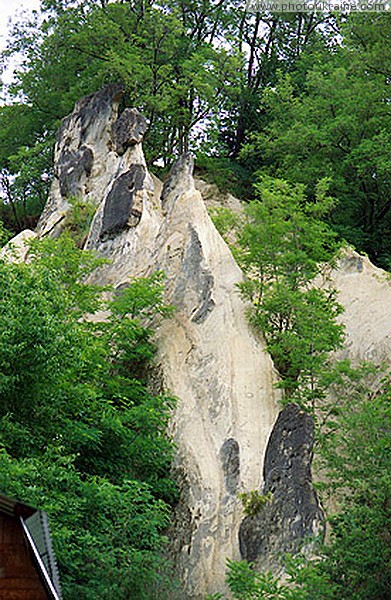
165	55
174	77
82	435
282	246
335	123
355	453
271	43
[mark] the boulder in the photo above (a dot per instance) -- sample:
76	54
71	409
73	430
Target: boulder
17	248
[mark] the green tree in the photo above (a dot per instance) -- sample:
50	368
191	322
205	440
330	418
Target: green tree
173	75
269	42
334	122
283	246
82	436
25	166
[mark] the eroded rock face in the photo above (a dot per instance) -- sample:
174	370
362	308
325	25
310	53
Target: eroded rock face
17	249
230	459
194	280
207	354
208	357
180	181
292	513
365	293
123	207
73	167
128	130
98	157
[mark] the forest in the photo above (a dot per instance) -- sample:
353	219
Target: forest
302	97
290	112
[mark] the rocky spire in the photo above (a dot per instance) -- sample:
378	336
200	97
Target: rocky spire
208	356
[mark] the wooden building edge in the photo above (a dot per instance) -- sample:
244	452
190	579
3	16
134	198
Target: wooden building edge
28	568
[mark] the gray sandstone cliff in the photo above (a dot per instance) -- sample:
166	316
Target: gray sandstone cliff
208	357
291	515
226	418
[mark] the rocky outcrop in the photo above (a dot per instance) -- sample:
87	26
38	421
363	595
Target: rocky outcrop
223	378
365	293
208	356
123	206
97	154
291	514
230	460
18	248
128	130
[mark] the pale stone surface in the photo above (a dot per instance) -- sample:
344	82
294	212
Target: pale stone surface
86	161
211	362
208	356
214	198
223	379
16	250
365	293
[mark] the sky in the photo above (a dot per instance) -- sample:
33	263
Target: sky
10	10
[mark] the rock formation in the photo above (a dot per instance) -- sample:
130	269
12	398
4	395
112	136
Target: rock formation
208	356
17	249
365	293
291	512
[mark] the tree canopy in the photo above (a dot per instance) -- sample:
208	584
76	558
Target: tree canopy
293	95
82	436
291	111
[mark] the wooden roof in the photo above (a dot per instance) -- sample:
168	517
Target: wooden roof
35	527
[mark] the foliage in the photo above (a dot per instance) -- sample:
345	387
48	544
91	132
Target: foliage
297	96
254	501
334	122
78	219
168	75
5	235
306	101
194	69
247	584
82	436
356	456
282	246
228	175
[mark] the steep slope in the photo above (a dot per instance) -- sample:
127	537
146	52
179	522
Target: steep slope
208	356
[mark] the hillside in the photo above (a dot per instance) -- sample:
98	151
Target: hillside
228	414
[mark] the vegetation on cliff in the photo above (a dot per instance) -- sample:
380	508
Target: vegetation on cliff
356	457
291	95
297	104
286	251
81	434
283	248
